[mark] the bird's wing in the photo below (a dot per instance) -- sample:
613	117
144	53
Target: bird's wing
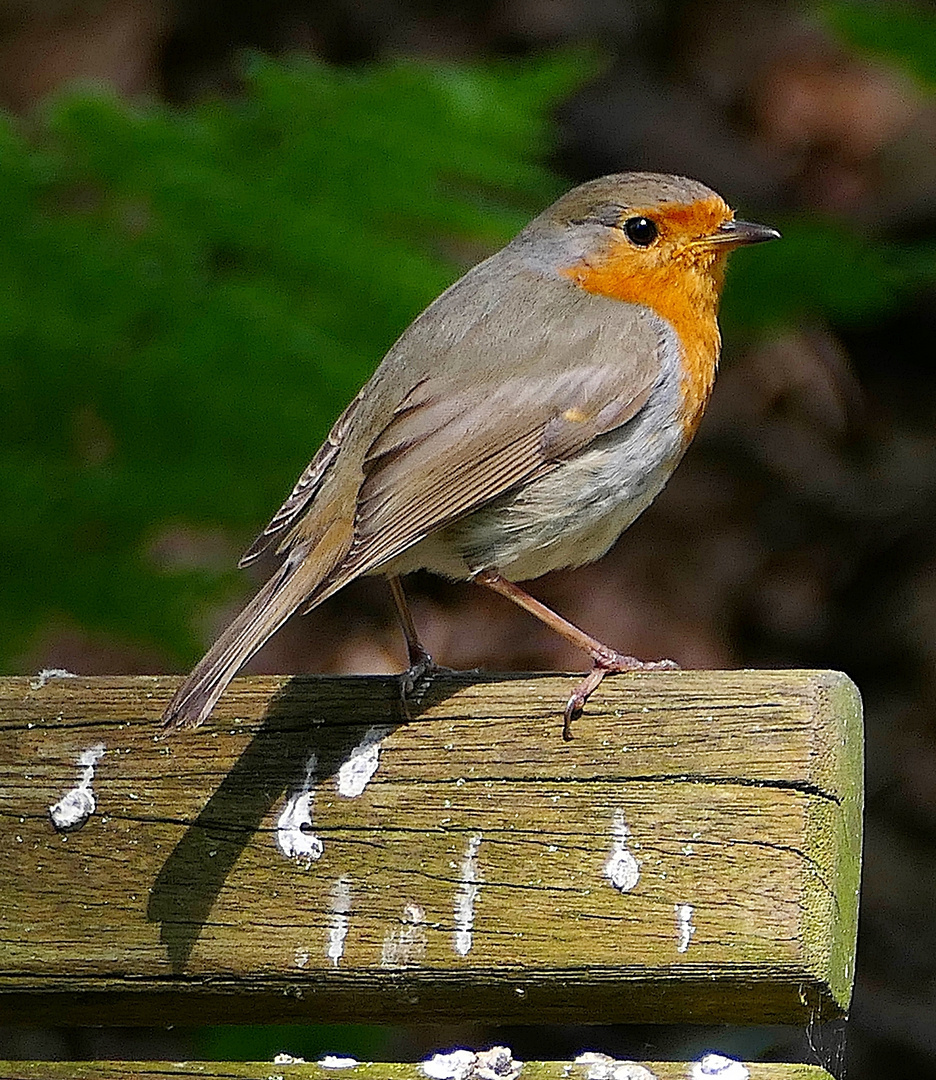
305	489
534	380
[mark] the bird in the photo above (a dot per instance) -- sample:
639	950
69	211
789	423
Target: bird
518	426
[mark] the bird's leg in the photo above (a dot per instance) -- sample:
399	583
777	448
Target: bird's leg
415	651
605	660
421	665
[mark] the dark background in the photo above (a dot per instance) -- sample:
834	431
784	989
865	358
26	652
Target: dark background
800	529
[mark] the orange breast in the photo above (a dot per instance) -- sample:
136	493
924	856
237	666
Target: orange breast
690	307
682	287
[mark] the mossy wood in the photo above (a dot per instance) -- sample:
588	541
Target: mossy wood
259	1070
691	856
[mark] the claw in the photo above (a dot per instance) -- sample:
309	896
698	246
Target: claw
605	660
417	678
611	663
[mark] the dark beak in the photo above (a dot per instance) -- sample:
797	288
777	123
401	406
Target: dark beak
738	233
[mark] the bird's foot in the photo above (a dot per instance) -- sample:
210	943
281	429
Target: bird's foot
607	662
416	680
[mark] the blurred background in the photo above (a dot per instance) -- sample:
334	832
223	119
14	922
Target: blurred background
216	217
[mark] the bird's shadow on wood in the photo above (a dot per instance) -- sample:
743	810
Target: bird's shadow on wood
277	760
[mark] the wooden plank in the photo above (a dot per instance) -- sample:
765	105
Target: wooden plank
259	1070
691	856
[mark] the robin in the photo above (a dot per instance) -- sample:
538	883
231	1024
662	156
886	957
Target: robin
518	425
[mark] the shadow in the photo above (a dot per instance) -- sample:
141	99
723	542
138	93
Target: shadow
274	762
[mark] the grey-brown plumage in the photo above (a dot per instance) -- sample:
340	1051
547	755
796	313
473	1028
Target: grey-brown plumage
517	426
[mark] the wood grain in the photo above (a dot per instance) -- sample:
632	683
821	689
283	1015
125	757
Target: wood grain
259	1070
470	877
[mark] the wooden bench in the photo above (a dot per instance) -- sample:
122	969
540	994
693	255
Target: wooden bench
692	856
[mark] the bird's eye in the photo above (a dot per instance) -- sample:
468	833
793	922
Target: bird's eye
640	231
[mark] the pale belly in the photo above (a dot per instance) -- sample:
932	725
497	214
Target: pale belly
569	517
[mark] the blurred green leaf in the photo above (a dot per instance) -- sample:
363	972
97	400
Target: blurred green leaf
896	32
823	270
189	296
363	1042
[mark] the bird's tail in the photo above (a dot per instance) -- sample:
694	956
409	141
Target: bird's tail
261	618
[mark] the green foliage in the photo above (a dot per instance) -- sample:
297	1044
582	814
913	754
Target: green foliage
822	270
310	1041
899	33
188	298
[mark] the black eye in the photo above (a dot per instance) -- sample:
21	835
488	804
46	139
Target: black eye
640	231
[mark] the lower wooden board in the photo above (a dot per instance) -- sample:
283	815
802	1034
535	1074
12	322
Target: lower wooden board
307	855
530	1070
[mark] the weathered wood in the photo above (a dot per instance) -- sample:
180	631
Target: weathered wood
471	876
259	1070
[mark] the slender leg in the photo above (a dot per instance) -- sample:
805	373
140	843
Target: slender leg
414	648
605	660
421	665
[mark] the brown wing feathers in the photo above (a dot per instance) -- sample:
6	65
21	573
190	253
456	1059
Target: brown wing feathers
304	491
448	447
263	616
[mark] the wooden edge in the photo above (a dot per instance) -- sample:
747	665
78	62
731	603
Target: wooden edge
504	1068
836	832
379	1000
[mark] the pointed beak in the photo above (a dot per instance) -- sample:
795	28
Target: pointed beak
739	233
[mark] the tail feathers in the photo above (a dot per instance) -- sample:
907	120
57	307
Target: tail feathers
261	618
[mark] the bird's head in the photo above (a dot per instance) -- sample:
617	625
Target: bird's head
642	237
656	241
